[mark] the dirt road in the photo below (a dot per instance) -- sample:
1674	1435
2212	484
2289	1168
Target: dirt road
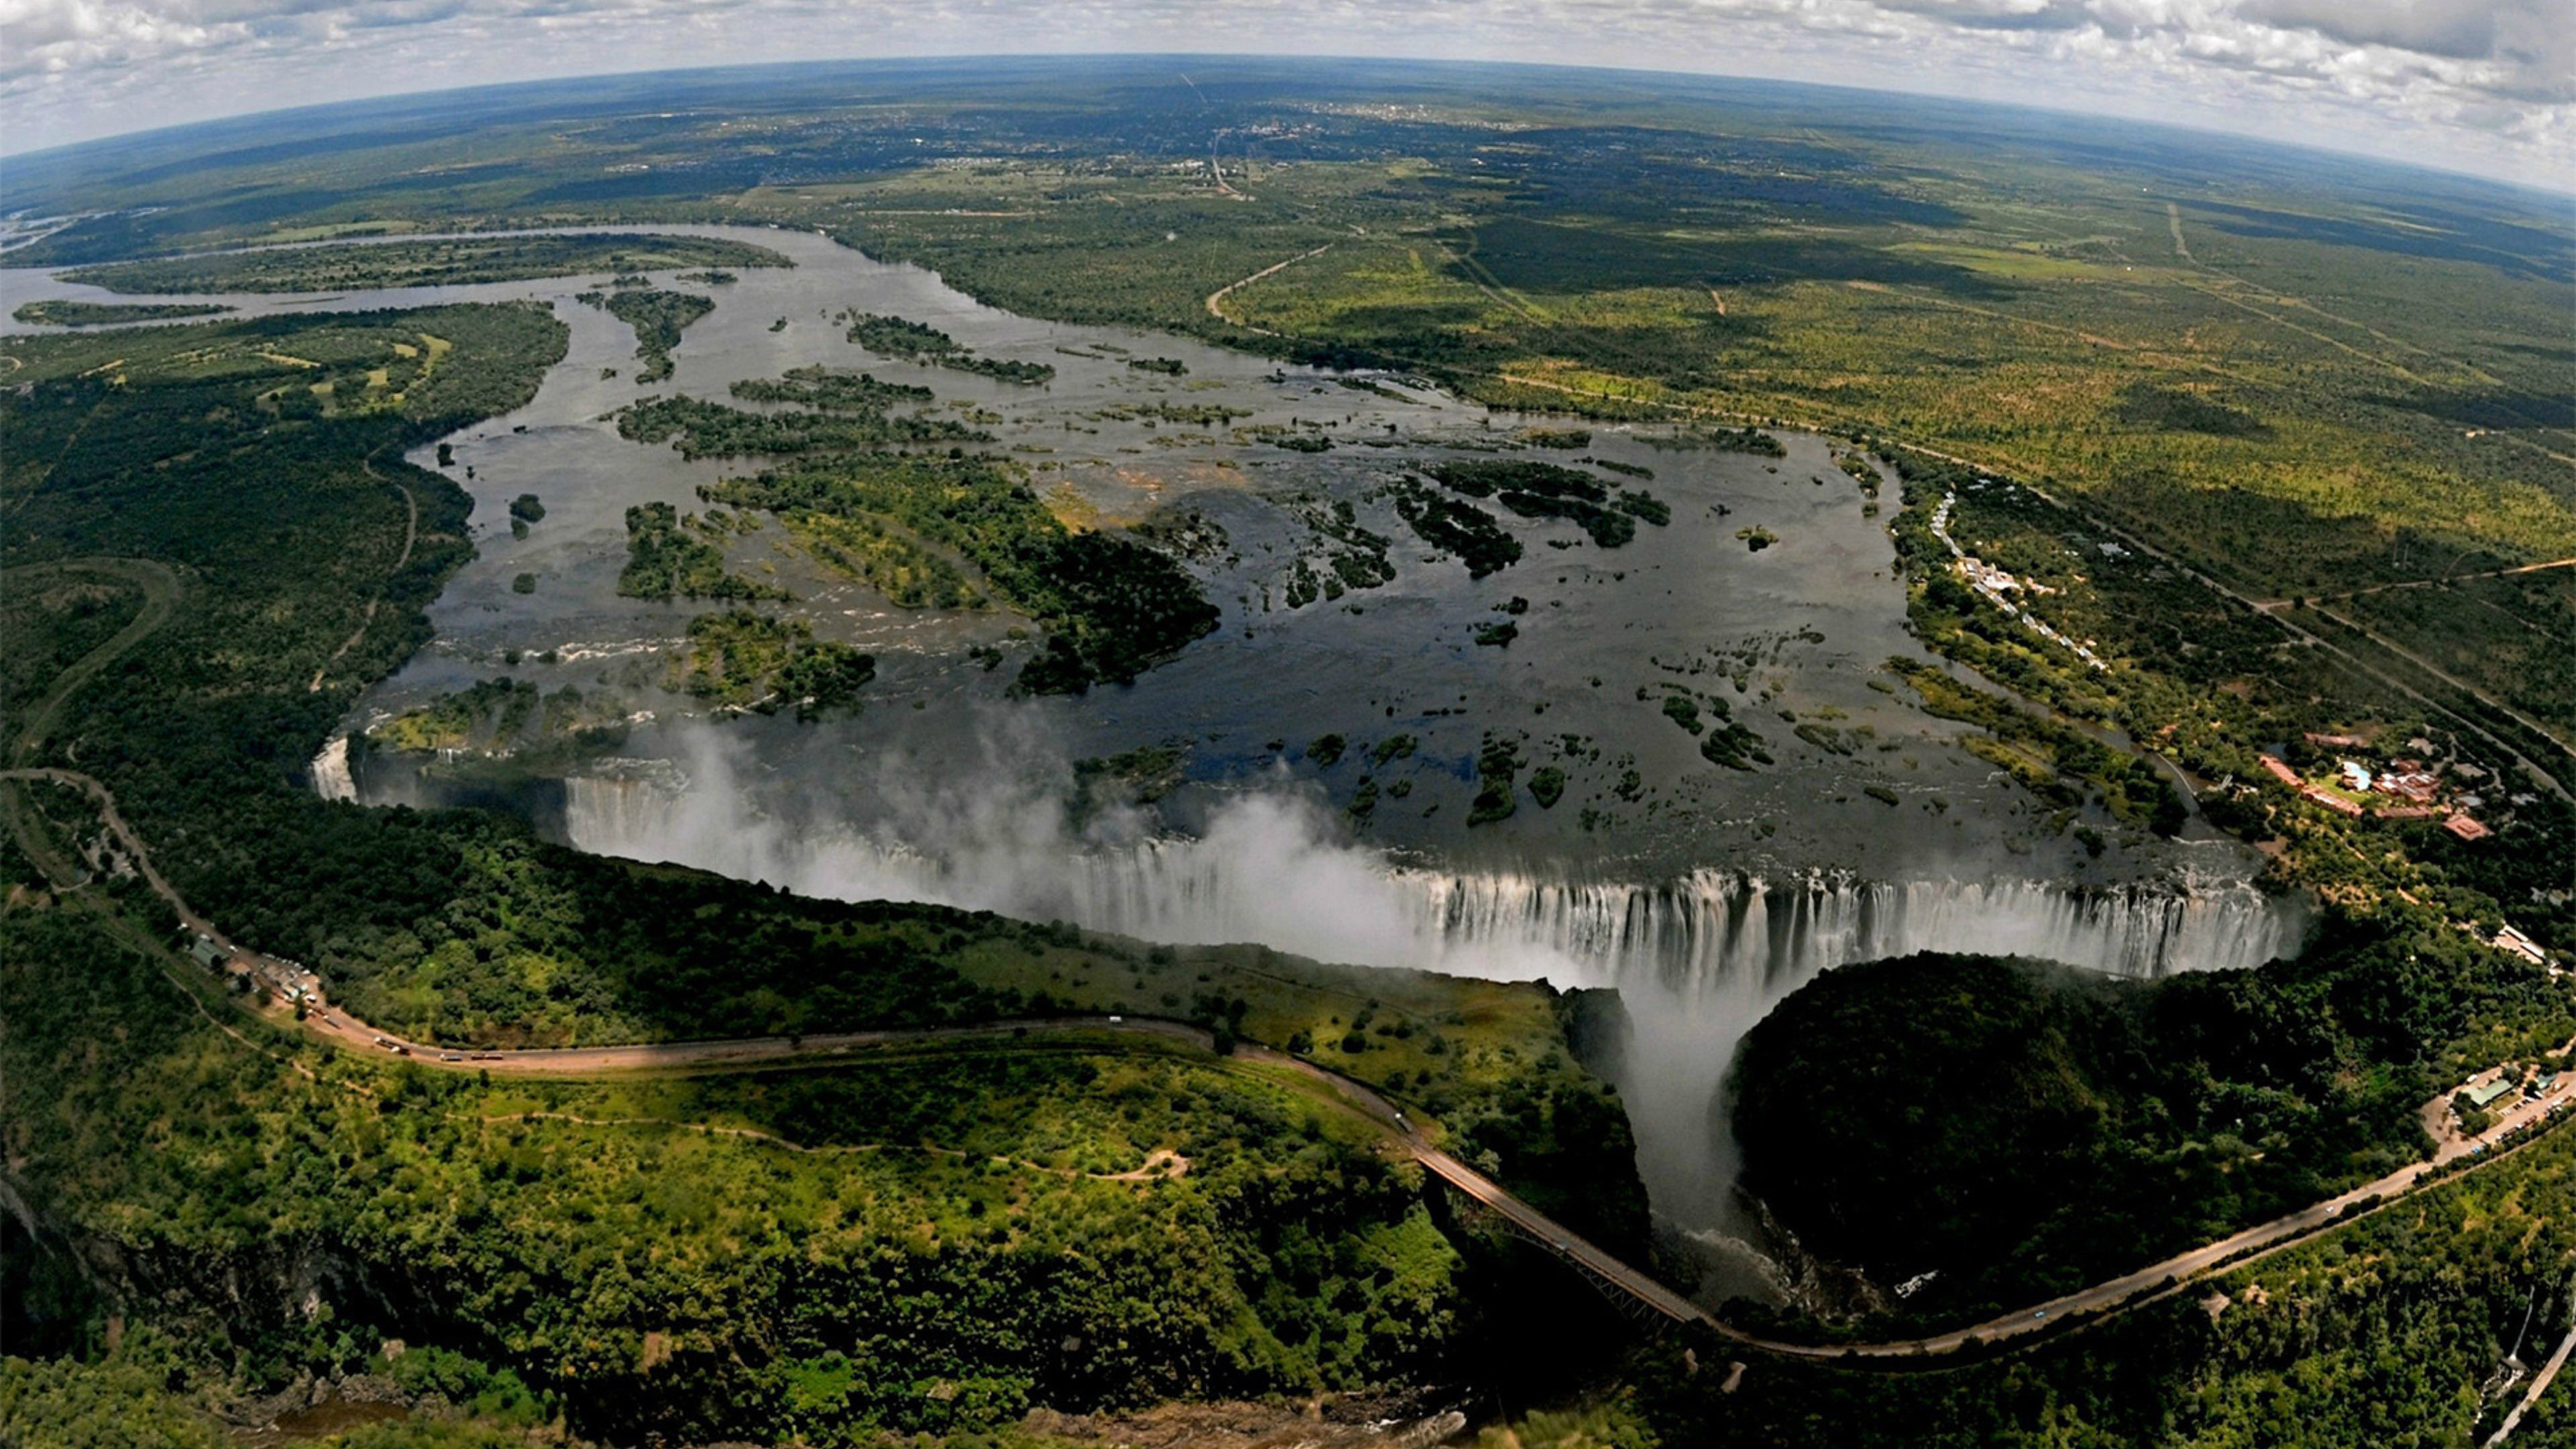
1216	299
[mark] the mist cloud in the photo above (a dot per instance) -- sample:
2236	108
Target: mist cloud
1698	960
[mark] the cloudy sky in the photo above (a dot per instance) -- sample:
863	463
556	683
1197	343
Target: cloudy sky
2475	85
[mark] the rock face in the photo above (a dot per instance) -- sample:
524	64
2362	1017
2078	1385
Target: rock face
264	1288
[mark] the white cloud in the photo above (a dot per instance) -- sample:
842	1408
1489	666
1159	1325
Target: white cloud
2486	85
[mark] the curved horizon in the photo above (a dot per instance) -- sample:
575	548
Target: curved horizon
2486	88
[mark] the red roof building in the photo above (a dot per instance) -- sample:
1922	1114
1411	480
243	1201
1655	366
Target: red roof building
2465	828
2282	772
2414	785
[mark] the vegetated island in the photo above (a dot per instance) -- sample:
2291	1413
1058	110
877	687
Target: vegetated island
455	261
1551	490
658	318
889	336
65	313
929	530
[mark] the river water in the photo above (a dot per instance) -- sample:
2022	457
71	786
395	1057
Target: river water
1706	897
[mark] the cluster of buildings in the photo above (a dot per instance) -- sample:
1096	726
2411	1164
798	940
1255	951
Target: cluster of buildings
2506	1083
292	981
2507	938
1993	584
2407	789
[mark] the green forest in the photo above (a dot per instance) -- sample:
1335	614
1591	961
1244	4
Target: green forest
2020	1129
446	262
917	342
658	319
110	314
1112	607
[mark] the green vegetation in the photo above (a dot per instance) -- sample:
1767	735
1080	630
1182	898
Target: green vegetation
505	718
665	559
2210	684
58	313
929	532
2021	1129
1257	1245
658	319
1498	766
915	342
887	558
50	619
745	660
1134	777
2299	378
503	706
828	389
2386	1330
1112	607
1188	415
451	262
712	430
1726	741
67	1404
1548	490
1747	439
1392	748
1460	528
2053	760
1339	555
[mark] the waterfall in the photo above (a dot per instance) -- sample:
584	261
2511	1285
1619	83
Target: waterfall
1699	958
1268	871
330	770
1726	924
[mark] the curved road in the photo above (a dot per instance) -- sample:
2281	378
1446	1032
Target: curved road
334	1025
2156	1280
160	588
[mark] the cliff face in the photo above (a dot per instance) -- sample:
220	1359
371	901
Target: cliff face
71	1288
1597	1030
